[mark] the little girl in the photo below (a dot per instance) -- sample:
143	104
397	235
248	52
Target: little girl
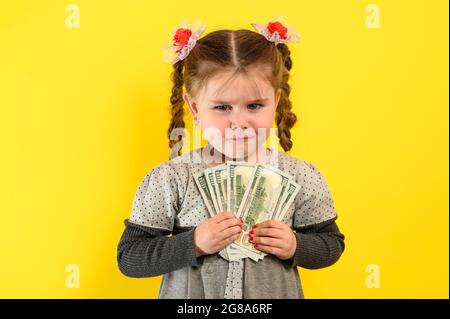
236	85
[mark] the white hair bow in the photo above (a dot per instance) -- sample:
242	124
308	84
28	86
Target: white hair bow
184	38
276	31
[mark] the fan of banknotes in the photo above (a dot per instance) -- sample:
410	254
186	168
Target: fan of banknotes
254	192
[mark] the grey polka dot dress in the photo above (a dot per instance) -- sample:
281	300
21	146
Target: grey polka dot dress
168	198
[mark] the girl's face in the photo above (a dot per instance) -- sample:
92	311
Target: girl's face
236	111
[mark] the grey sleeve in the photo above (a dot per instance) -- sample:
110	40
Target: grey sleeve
318	246
146	252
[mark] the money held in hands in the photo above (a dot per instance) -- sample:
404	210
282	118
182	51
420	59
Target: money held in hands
254	192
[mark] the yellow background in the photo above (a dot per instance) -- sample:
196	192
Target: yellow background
84	114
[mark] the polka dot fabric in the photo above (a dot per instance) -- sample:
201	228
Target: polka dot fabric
156	200
314	203
235	276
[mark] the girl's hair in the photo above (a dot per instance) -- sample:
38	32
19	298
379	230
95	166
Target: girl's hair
233	50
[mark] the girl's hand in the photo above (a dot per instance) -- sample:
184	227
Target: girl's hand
274	237
217	232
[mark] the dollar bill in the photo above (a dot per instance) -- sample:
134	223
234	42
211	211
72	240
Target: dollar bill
219	180
211	182
279	204
239	175
287	199
259	201
220	174
202	184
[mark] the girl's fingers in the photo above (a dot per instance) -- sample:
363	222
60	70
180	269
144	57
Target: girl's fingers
269	249
268	232
231	231
268	241
271	223
223	216
229	240
227	223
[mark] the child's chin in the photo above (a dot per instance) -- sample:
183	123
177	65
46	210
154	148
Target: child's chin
236	156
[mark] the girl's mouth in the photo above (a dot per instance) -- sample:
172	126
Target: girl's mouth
240	138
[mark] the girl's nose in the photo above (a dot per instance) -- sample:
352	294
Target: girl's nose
238	120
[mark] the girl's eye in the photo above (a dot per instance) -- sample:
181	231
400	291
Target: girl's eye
222	107
255	106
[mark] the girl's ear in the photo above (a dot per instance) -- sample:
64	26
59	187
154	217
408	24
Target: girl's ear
192	105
